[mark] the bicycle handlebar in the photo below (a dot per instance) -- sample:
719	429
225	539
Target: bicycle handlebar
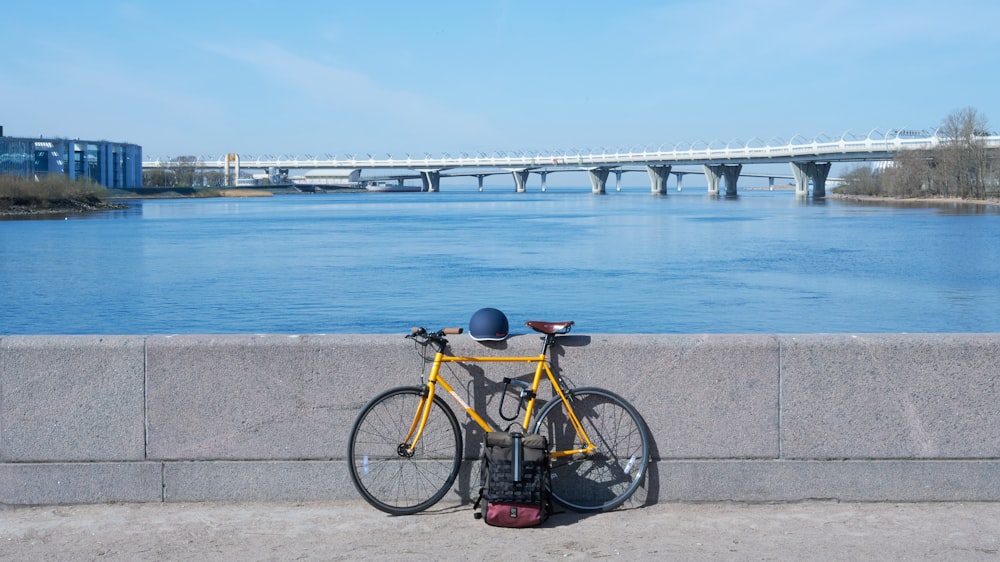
438	336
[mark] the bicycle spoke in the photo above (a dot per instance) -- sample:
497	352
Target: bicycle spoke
607	478
394	482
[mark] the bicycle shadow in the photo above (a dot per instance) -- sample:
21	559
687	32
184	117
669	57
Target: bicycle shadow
483	392
648	492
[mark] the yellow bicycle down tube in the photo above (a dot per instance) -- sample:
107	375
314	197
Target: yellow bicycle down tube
468	409
427	402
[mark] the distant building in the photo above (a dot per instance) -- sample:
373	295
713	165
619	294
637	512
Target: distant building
111	164
329	178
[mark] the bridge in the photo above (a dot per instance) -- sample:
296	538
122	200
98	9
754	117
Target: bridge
722	163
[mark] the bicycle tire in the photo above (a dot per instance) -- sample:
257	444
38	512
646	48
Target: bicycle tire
389	480
606	479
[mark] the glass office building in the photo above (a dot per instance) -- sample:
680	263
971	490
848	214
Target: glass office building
110	164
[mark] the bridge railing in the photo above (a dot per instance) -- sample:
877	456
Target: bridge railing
839	149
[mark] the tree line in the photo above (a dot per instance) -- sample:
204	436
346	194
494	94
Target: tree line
183	171
960	166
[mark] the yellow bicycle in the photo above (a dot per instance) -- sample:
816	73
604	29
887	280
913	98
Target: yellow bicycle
405	448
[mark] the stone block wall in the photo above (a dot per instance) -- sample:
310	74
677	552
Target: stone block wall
887	417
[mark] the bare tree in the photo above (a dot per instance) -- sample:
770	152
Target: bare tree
159	177
214	179
961	166
862	180
964	158
186	168
914	173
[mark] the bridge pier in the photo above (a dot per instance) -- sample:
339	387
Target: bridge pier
480	177
431	180
712	179
658	176
521	179
680	180
543	174
598	179
230	179
618	179
805	171
716	172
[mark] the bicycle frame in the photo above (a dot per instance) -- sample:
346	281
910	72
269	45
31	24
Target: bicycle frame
542	367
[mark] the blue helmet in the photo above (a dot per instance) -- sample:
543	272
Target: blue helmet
488	324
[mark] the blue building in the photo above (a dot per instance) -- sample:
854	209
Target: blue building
111	164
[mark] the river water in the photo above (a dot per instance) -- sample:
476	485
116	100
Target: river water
626	262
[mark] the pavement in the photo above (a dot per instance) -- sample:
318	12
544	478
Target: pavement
349	530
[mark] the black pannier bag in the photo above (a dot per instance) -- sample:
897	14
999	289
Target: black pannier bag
515	480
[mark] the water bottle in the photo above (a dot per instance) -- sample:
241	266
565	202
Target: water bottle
517	455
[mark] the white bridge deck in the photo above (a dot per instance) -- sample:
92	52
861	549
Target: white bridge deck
810	160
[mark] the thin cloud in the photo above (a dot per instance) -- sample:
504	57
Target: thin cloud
109	100
351	93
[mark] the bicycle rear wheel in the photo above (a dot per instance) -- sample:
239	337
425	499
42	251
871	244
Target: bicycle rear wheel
385	475
606	479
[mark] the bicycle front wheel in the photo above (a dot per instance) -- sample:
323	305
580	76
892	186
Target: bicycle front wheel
385	474
603	480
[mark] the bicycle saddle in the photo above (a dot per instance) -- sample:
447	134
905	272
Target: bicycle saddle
549	327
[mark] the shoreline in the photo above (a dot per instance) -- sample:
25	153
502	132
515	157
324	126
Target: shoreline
81	206
921	200
92	206
61	208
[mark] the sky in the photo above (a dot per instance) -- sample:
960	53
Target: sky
378	77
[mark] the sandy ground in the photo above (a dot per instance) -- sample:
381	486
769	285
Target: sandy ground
353	530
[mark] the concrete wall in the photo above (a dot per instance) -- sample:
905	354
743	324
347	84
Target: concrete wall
733	417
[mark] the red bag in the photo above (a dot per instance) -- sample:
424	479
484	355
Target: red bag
508	514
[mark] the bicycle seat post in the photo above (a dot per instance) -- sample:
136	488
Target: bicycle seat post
549	340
